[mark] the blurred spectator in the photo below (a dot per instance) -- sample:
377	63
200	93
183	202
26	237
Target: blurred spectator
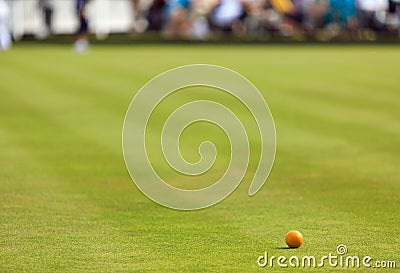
254	23
393	19
314	12
227	16
371	17
5	37
343	12
199	28
155	15
82	41
46	9
291	17
341	17
135	13
176	20
282	6
139	7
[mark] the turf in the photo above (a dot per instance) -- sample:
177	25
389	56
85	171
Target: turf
69	205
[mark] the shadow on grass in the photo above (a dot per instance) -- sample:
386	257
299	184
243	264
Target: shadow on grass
286	247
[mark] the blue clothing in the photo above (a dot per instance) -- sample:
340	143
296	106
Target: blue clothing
172	5
342	10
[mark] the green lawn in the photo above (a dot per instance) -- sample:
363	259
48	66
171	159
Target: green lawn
68	203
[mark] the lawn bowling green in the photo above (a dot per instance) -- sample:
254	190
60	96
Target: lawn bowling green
68	203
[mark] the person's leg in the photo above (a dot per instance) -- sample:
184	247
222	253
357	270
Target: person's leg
82	40
48	18
5	37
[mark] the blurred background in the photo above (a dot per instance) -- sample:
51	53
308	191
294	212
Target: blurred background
254	20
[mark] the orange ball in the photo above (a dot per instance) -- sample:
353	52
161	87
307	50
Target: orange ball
294	239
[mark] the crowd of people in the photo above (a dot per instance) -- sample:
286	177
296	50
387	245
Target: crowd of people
261	19
248	19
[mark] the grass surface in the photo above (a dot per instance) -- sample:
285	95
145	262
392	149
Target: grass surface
68	204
